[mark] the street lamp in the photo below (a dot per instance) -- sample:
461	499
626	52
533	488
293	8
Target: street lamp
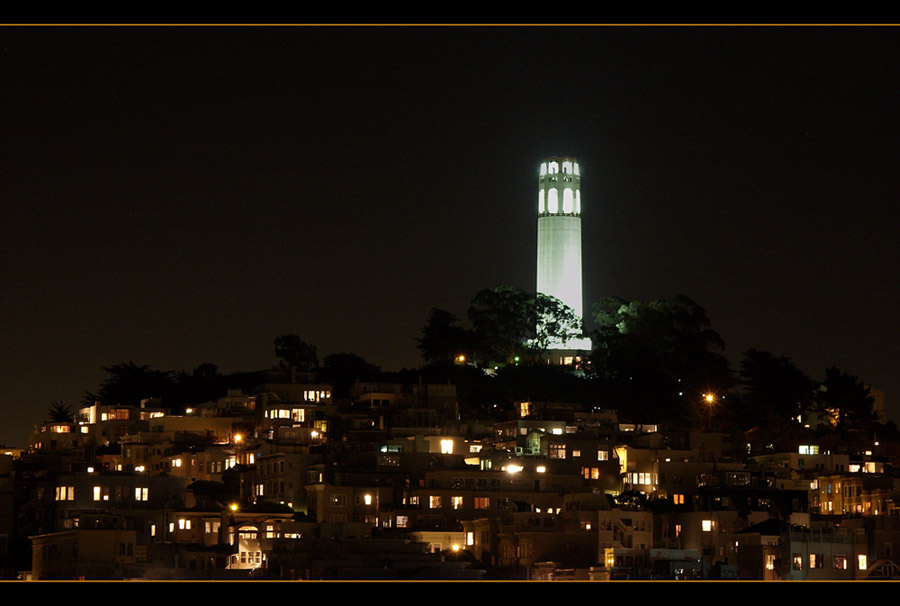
710	400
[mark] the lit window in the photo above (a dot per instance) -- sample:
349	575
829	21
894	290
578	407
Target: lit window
862	561
770	561
541	202
367	499
152	530
470	538
797	561
577	202
402	521
557	451
678	499
553	201
434	502
568	201
840	562
576	453
602	455
707	525
456	502
65	493
446	446
482	502
141	494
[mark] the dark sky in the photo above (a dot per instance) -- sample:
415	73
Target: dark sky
181	195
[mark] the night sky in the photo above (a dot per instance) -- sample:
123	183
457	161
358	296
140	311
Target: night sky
179	195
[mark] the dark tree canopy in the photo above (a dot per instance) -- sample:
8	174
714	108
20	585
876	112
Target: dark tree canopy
341	370
129	383
443	339
511	323
293	351
657	359
774	390
204	384
846	401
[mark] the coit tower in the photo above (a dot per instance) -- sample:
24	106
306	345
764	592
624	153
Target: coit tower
559	237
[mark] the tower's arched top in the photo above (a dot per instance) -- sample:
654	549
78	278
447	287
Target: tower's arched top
560	165
560	180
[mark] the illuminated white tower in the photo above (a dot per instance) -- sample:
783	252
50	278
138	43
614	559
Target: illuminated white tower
559	237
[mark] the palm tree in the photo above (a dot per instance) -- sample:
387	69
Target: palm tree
60	413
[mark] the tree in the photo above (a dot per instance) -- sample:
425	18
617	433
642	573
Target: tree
59	413
204	384
293	351
654	360
511	323
129	383
846	401
443	339
556	323
774	390
342	369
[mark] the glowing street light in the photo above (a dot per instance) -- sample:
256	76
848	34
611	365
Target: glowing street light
710	399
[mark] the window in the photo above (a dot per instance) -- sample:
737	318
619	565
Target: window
678	499
446	446
706	525
553	201
141	494
557	451
65	493
602	455
434	502
861	561
815	560
796	561
568	201
402	521
576	453
339	500
641	477
840	562
456	502
101	493
482	502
